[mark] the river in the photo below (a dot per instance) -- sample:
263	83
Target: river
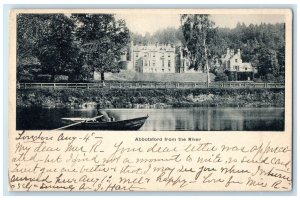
182	119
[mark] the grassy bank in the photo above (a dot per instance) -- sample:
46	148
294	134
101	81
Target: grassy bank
152	98
125	75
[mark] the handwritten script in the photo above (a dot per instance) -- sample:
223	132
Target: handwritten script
95	161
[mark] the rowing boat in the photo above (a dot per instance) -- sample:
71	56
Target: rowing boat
92	124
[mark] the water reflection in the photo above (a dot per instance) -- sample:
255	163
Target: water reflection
187	119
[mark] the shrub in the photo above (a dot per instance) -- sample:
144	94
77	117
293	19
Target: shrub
258	80
61	78
280	79
221	77
176	97
142	100
270	78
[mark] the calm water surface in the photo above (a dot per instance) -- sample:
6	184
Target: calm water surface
185	119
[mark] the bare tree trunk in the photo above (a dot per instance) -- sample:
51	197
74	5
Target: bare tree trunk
206	62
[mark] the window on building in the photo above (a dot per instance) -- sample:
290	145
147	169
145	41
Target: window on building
136	63
162	63
162	55
169	70
245	68
153	55
153	63
169	63
236	60
136	55
162	70
169	55
146	63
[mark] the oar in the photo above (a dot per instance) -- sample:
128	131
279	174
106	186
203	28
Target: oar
91	119
68	126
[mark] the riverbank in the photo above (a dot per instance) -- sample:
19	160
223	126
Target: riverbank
151	98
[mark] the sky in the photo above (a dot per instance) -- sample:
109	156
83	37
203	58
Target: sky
141	24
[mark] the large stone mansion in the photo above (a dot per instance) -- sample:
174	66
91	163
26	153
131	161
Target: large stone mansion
153	59
156	58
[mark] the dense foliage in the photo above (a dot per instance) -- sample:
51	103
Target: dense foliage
198	31
262	45
76	46
49	38
102	39
169	35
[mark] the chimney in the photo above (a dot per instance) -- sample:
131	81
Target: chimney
239	52
227	51
231	52
180	52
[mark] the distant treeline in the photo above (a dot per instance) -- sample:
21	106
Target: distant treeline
169	35
262	45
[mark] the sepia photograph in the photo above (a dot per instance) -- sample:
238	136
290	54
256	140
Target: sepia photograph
186	72
147	100
150	72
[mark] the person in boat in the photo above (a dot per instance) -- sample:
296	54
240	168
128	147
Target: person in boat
104	116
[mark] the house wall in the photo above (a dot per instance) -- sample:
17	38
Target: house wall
235	63
246	67
153	59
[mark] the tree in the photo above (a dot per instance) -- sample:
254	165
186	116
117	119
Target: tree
268	63
48	38
29	27
281	58
26	40
198	33
137	38
169	35
103	40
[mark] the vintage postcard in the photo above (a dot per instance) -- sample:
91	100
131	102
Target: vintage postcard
150	100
